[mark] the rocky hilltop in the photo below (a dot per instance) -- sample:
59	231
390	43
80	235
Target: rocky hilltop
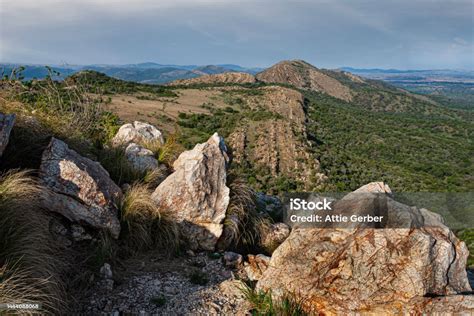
224	78
302	75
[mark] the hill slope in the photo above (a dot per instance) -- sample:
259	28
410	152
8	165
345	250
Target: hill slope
302	75
223	78
373	95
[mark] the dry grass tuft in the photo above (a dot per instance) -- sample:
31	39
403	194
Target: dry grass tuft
115	161
244	226
154	177
146	226
165	153
29	262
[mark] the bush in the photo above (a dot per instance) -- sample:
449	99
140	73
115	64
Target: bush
198	278
70	110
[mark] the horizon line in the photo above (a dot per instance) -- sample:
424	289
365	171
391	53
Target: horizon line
229	63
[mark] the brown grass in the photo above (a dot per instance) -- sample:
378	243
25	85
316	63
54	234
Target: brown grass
244	227
146	226
165	153
30	264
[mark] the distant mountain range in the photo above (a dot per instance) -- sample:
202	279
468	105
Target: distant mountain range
148	72
394	75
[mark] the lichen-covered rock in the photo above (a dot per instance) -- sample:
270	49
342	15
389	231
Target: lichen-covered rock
140	158
81	189
137	132
255	266
275	236
6	125
443	305
340	270
197	194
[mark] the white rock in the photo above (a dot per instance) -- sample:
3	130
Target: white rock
197	194
140	158
137	132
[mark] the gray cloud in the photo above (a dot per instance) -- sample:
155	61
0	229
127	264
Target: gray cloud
327	33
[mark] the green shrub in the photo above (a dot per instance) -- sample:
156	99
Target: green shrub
263	303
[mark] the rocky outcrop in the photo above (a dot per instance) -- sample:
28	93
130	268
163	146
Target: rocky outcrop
341	270
196	193
81	189
275	236
255	266
137	132
279	143
228	77
6	125
305	76
140	158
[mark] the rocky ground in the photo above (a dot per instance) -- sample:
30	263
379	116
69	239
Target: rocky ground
192	284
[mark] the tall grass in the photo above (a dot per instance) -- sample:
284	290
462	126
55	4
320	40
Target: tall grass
244	226
115	161
30	264
145	225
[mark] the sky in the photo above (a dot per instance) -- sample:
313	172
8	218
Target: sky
402	34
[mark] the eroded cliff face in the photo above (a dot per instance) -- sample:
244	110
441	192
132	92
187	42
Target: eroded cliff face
279	143
228	77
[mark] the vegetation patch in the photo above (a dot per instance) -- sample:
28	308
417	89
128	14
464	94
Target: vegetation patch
263	303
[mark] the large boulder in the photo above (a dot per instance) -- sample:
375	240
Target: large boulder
197	194
6	125
81	189
137	132
140	158
341	270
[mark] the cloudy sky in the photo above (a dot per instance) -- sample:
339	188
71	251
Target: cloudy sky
405	34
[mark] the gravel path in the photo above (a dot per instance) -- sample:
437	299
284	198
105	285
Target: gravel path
156	285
